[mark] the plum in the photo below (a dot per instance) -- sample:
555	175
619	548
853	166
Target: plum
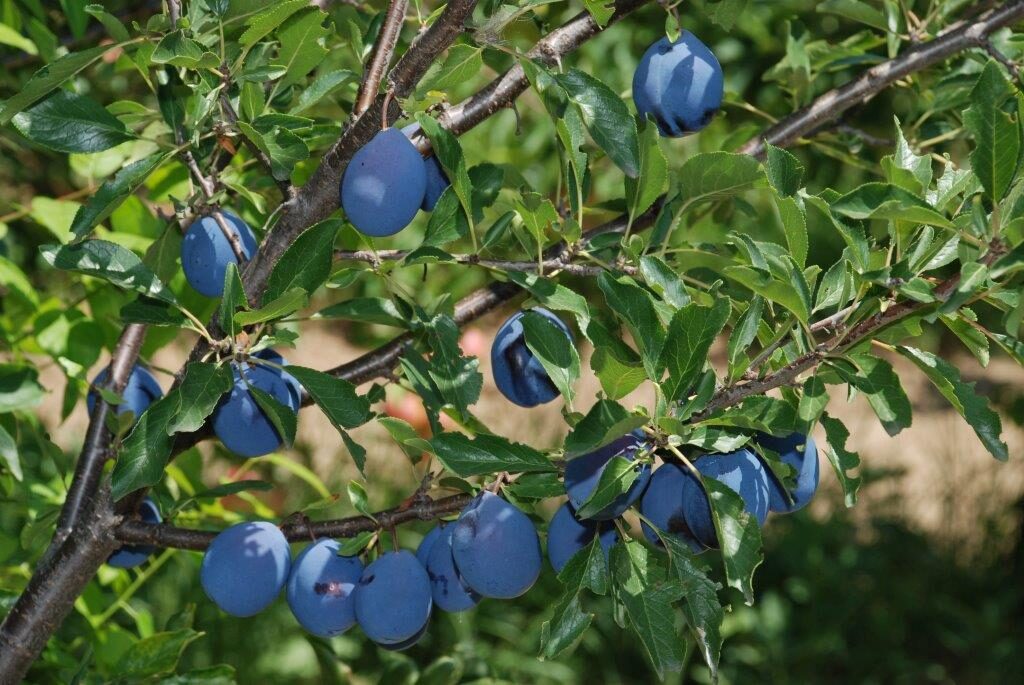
496	548
437	179
679	84
427	543
801	453
245	567
449	591
384	184
583	473
568	535
741	471
321	588
294	387
206	252
518	374
140	391
662	505
129	556
393	600
239	422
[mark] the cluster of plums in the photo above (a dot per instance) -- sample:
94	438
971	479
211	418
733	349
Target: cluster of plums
491	550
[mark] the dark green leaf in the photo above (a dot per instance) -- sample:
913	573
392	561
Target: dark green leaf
145	451
112	193
616	478
67	122
739	536
486	454
280	416
842	460
199	392
556	352
995	131
155	655
306	263
785	172
635	307
606	421
287	303
49	78
690	335
606	117
336	397
108	261
367	309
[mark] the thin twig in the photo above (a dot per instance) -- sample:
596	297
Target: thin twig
380	58
547	266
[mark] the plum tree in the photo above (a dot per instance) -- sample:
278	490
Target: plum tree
496	548
437	179
130	556
568	535
238	420
448	589
799	452
245	567
742	472
583	473
662	505
678	84
393	599
384	184
321	588
141	391
518	374
206	251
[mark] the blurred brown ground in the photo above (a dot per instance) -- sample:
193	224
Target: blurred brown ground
947	484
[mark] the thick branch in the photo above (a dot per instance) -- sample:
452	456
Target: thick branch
162	535
380	58
827	107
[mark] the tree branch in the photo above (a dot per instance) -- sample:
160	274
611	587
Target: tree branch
561	264
827	107
380	58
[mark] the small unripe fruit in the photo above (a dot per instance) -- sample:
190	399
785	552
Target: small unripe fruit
140	391
206	252
496	548
245	567
129	556
518	374
583	473
321	589
393	599
567	535
679	85
384	185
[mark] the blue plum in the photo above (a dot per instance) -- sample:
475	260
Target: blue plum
662	505
393	600
798	451
496	548
583	473
294	387
679	84
245	567
406	644
130	556
239	422
141	391
517	373
741	471
321	589
437	179
449	591
427	543
568	535
384	184
206	252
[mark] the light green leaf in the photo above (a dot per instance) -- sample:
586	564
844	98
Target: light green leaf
111	262
287	303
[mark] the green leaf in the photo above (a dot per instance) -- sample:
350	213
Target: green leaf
616	478
112	193
306	264
233	488
757	413
67	122
606	117
857	11
284	148
785	293
112	24
49	78
644	189
407	437
841	459
287	303
794	224
691	333
555	351
144	453
9	36
155	655
886	201
725	12
660	277
486	454
635	307
359	499
739	536
200	390
585	570
647	597
179	50
263	23
703	611
322	86
9	453
553	295
19	388
456	376
606	421
336	397
280	416
111	262
876	378
449	152
995	130
232	299
973	407
462	63
600	10
367	309
301	38
743	334
784	170
717	176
